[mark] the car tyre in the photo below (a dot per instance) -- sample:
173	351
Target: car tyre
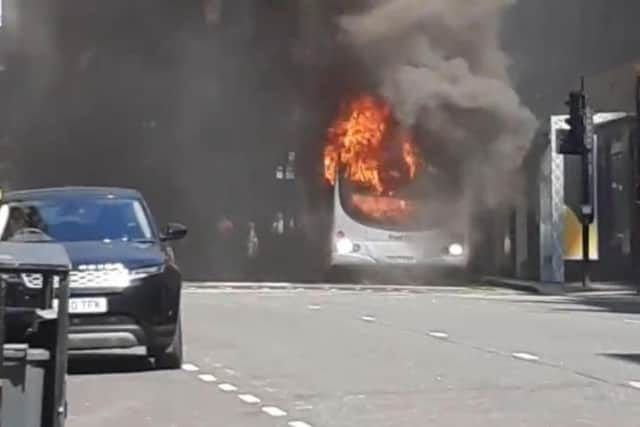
171	357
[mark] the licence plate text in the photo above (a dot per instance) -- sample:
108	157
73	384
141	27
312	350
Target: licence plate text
86	305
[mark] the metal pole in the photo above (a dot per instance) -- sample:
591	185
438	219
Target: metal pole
585	220
2	335
635	227
586	196
61	349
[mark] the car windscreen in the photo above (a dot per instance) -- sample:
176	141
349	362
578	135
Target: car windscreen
75	220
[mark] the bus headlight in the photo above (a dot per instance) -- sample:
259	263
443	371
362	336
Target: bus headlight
344	246
456	249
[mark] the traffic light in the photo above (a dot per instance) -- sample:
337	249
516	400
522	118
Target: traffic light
574	143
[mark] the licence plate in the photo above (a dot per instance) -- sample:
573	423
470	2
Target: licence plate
85	305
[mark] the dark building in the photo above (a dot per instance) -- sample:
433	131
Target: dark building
193	102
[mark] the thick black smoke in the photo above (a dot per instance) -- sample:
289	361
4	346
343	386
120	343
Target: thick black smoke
440	65
197	109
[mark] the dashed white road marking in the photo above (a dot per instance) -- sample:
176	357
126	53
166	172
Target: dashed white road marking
298	424
354	396
207	378
190	368
525	356
440	335
274	411
634	384
230	371
248	398
368	318
270	389
227	387
313	307
218	365
635	322
301	406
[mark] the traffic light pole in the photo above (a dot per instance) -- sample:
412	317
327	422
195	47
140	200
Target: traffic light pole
580	142
635	248
588	188
587	206
586	213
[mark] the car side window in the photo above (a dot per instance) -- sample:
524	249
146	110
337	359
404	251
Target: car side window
137	218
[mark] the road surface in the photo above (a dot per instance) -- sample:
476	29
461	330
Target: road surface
433	357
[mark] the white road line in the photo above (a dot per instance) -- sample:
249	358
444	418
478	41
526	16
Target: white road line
440	335
248	398
368	318
270	389
230	371
313	307
304	407
635	322
274	411
298	424
227	387
207	378
525	356
190	368
354	397
634	384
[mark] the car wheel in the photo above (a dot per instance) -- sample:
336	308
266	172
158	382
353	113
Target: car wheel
171	357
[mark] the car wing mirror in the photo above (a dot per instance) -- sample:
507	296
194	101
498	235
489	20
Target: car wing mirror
173	231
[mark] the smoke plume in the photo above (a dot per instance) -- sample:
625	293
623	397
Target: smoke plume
440	65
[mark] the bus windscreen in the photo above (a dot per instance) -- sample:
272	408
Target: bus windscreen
418	206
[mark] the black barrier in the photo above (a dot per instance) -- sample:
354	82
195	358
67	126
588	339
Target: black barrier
35	322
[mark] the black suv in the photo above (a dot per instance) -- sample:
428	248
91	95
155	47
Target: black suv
125	285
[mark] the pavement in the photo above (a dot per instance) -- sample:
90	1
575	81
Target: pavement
449	356
559	288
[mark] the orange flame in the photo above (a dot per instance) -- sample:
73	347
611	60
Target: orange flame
360	147
383	208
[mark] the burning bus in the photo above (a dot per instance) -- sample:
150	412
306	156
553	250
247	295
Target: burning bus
390	203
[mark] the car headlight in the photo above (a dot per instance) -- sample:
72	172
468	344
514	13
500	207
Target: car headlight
141	273
456	249
344	246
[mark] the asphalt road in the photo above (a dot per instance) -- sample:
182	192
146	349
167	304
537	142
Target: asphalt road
438	357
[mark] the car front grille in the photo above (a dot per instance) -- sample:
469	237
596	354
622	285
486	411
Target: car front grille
113	276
